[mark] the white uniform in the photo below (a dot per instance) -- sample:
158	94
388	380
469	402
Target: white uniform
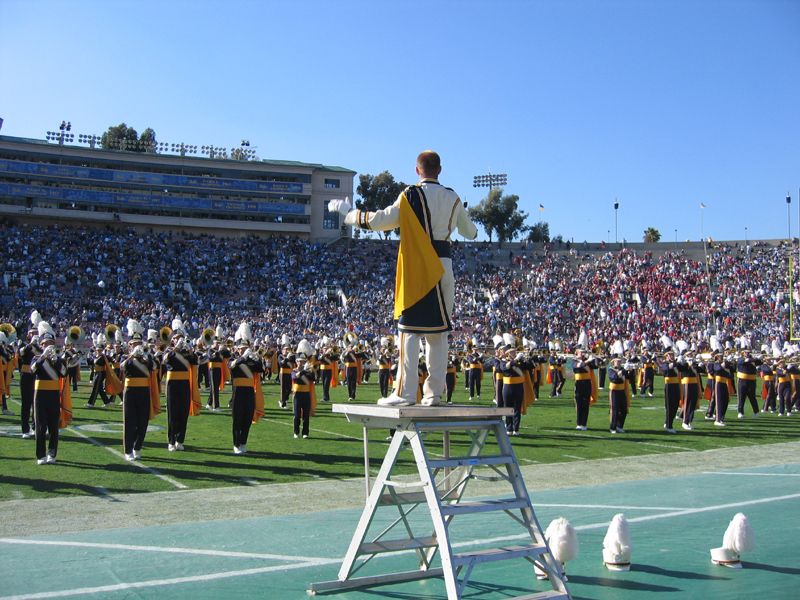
447	214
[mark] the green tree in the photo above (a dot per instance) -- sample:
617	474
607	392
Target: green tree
652	235
498	214
378	192
539	232
123	137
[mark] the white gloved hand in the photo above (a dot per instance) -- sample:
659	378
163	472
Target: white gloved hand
341	206
49	352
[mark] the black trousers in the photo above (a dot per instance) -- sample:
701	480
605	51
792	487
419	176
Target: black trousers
27	381
47	407
215	376
384	375
179	401
747	390
327	377
672	399
513	396
244	407
301	406
98	389
135	417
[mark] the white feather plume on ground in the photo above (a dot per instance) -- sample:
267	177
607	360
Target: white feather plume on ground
739	536
618	536
563	540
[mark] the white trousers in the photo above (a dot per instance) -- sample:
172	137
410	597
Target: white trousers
435	351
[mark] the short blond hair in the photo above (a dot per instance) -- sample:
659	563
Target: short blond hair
429	163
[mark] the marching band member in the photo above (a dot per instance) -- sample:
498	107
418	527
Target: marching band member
619	395
141	401
27	380
351	359
247	399
517	388
426	213
691	388
785	389
450	378
769	391
672	388
385	367
328	361
182	391
746	375
475	358
585	386
723	371
304	397
218	371
52	400
285	366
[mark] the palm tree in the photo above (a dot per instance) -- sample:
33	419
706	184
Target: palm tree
651	235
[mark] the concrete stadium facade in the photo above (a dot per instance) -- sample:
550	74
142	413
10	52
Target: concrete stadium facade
49	182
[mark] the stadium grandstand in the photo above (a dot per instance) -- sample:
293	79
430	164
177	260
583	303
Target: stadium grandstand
166	188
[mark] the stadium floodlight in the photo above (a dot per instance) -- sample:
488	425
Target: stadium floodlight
183	149
61	135
214	151
92	140
491	180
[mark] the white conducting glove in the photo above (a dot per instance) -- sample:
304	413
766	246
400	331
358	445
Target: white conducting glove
341	206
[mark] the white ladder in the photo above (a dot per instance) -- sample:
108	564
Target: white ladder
443	498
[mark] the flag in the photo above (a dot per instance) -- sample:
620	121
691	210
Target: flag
541	207
702	205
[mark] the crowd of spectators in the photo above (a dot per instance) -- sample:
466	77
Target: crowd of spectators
92	277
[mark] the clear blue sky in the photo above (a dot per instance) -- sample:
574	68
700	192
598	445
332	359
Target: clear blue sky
662	105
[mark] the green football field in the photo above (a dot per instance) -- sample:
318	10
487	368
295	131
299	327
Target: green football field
91	462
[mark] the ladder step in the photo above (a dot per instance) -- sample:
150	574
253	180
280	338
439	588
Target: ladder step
463	461
493	554
409	498
394	545
466	508
548	595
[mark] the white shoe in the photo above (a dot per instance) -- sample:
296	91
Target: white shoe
579	428
209	407
431	401
479	396
178	446
601	388
756	415
584	428
305	437
243	448
613	431
470	399
687	426
669	429
649	394
218	409
171	447
515	433
88	406
740	415
26	436
236	450
620	430
41	461
137	455
129	457
8	413
719	424
395	400
51	459
296	436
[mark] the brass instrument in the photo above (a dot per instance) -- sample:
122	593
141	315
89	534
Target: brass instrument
165	335
9	331
110	333
76	335
208	336
349	339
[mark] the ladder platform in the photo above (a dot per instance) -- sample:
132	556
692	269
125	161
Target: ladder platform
467	508
429	541
493	554
470	461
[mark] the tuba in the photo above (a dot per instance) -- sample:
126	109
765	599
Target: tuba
165	335
208	337
110	333
9	331
76	335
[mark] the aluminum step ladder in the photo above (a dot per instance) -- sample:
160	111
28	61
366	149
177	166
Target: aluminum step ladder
441	483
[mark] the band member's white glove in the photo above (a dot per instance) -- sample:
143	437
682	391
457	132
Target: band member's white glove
341	206
138	352
49	352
